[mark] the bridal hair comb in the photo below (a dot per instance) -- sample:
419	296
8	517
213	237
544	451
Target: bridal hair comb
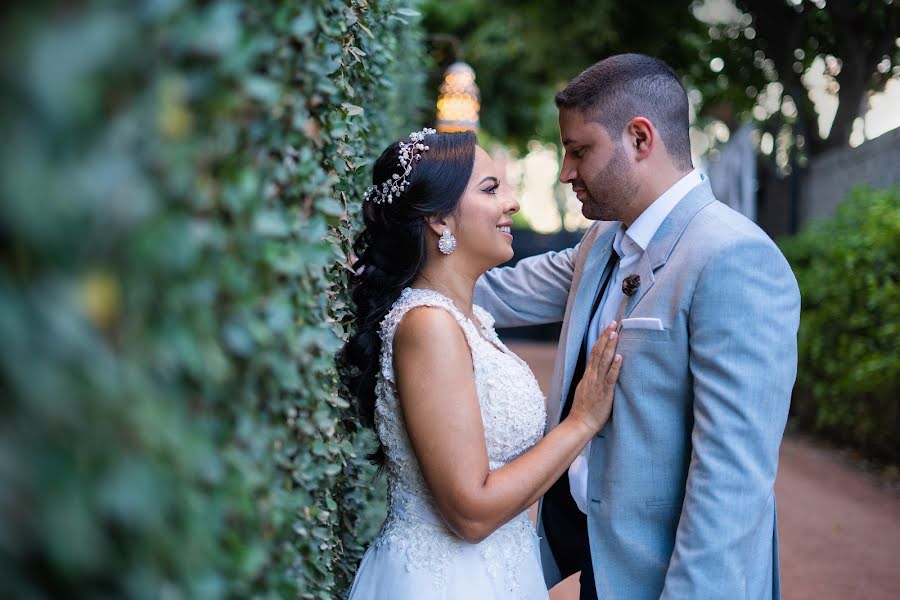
409	155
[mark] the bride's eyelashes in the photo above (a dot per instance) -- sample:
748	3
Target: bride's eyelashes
491	189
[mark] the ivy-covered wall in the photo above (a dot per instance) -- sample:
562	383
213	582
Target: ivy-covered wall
177	186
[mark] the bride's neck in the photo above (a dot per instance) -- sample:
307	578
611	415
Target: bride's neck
459	287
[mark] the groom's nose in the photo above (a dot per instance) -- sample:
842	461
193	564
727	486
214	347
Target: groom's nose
567	173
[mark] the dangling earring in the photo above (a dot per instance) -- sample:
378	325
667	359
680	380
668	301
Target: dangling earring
447	243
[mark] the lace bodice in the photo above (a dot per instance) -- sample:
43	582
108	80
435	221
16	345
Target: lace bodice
513	414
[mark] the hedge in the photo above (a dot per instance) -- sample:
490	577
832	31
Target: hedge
848	269
178	183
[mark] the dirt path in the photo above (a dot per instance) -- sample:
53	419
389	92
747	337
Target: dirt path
839	529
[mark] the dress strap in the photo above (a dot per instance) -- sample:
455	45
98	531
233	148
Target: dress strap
409	299
485	318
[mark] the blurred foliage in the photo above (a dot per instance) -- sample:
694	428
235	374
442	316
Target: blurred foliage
853	40
523	52
848	268
177	186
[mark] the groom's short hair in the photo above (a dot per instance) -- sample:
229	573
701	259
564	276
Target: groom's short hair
622	87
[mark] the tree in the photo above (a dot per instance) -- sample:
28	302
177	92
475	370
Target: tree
855	38
523	52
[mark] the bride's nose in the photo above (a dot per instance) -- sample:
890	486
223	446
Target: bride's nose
512	206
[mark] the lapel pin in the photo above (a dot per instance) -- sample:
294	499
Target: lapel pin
631	284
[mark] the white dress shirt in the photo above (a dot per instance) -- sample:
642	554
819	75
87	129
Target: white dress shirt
629	244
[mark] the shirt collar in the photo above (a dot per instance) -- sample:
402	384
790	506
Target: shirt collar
638	236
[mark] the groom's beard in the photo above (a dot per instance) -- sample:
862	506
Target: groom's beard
611	190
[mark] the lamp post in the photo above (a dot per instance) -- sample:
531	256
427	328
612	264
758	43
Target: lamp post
458	100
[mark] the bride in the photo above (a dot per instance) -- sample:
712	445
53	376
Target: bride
459	417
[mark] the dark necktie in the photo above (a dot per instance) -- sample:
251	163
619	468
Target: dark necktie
581	363
564	524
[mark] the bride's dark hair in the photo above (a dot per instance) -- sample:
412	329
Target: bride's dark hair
391	251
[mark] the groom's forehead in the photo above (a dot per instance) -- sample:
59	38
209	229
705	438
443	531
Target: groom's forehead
580	130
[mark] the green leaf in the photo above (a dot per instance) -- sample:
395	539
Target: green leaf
263	89
270	224
303	25
352	109
330	207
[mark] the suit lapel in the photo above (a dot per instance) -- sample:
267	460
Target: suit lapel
593	276
666	238
670	231
645	271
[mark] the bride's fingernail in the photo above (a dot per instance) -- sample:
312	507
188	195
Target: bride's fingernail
612	325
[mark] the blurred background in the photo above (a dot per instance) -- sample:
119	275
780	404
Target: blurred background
179	185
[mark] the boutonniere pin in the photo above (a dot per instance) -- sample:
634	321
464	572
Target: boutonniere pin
631	284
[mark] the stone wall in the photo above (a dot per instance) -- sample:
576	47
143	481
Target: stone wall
832	175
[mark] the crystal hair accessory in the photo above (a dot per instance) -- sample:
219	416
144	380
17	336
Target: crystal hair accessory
409	155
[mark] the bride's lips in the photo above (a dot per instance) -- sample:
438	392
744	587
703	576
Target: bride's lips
505	231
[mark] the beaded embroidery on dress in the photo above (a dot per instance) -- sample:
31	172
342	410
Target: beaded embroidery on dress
416	555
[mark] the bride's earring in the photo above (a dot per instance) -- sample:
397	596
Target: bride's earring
447	243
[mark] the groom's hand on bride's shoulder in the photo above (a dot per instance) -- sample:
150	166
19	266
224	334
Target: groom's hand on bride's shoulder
593	399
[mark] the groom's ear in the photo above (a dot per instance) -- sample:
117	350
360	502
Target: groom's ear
642	137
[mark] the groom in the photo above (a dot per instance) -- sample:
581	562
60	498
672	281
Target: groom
674	498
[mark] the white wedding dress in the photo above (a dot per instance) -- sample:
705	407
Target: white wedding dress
416	556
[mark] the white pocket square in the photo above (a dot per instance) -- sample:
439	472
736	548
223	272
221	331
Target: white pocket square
642	323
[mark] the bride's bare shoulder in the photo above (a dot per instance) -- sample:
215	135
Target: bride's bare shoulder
428	332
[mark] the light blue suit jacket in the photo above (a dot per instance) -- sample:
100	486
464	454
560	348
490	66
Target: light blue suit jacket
682	476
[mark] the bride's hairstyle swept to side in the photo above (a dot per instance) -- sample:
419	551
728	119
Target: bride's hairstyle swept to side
391	251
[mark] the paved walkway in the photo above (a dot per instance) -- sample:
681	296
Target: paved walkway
839	529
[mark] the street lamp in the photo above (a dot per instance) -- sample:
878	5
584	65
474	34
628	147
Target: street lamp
458	100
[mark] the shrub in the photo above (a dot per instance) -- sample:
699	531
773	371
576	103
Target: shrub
848	269
177	186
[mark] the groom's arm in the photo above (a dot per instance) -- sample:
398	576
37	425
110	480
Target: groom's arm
743	358
533	292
